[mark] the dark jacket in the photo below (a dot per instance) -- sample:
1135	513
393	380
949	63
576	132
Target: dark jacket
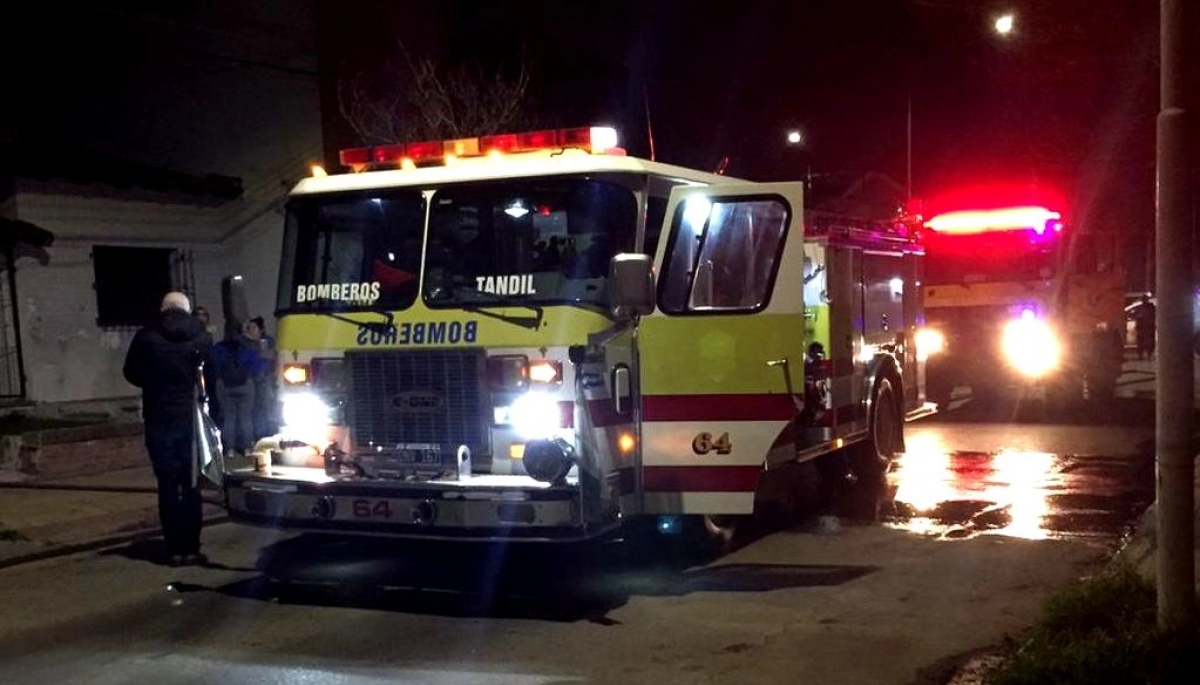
237	362
163	360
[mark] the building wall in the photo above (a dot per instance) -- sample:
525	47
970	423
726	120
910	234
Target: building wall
68	357
240	100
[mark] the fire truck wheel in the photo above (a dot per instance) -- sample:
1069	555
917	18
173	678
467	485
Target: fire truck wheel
711	536
871	457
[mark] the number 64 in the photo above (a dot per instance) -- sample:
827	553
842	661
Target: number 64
704	443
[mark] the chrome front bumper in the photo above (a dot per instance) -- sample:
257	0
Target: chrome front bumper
483	508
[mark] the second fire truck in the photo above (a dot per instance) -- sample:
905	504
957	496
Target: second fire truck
1021	297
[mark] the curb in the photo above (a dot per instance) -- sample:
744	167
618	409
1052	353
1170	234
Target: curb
98	543
78	488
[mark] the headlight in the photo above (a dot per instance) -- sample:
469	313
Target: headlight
1030	346
929	341
304	410
534	415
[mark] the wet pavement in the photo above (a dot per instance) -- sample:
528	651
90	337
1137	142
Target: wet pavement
1020	468
1026	494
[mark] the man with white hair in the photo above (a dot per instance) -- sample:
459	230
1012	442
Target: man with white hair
164	360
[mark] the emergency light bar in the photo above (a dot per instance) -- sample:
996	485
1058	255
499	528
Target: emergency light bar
1039	219
593	140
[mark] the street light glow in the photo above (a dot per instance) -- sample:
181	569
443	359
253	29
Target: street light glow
1004	24
794	137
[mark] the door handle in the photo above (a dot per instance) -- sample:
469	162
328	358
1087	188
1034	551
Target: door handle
620	389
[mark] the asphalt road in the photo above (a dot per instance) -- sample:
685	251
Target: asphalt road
978	523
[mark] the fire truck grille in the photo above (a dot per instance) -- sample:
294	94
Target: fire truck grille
398	399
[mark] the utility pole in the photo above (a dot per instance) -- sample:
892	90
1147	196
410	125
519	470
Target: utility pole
1174	409
908	145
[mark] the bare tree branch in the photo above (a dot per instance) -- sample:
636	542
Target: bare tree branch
404	98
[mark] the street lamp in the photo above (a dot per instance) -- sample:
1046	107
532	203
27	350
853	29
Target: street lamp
795	138
1004	24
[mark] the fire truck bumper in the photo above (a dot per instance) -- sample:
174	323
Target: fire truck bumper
480	508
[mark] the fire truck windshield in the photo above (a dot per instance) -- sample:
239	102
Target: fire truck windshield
527	241
990	257
352	251
530	241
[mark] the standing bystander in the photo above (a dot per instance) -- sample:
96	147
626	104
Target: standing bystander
264	382
237	366
1143	323
165	360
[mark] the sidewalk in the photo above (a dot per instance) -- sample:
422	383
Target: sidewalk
61	516
1139	377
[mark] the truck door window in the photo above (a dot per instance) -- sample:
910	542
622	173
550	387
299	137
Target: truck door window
723	255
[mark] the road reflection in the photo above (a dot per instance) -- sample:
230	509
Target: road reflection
951	494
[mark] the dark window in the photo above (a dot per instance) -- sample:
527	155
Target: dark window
991	257
130	284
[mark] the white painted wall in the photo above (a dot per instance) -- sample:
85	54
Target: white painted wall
67	356
254	113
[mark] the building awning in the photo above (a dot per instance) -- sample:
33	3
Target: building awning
23	239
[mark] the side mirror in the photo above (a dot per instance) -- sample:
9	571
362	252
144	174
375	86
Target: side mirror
631	285
233	304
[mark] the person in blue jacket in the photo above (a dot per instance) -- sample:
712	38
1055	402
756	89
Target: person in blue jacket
238	366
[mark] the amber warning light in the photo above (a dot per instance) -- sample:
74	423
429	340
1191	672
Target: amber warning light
594	140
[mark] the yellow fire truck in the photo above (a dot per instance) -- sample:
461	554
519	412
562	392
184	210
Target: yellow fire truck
1018	296
538	337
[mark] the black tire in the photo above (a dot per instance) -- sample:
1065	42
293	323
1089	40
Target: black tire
707	537
700	539
885	433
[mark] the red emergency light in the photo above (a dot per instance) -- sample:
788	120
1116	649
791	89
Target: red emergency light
593	140
1038	219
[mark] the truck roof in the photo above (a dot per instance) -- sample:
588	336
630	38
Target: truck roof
525	165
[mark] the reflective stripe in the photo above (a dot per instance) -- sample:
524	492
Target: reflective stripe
700	478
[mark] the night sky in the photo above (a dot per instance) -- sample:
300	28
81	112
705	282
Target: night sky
1068	101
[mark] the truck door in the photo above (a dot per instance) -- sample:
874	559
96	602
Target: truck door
721	360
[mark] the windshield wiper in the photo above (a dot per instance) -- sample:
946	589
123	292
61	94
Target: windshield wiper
381	327
493	300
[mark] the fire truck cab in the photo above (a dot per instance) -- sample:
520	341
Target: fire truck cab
537	337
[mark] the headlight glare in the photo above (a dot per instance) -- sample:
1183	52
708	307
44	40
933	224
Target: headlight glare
929	341
534	415
1030	346
304	410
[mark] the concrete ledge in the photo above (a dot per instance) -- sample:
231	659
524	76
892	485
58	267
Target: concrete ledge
73	451
98	431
